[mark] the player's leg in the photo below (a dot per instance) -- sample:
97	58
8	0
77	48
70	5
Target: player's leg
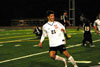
85	39
70	58
84	42
52	54
56	57
65	52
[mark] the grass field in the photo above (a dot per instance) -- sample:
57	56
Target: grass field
18	48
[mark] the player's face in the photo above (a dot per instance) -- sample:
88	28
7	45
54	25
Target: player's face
51	17
65	13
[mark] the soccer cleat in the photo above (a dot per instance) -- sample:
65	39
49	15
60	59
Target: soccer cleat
71	59
92	46
75	66
84	44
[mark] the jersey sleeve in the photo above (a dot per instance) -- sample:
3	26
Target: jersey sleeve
61	26
44	34
95	23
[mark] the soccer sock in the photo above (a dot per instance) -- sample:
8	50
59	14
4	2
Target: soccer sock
61	59
71	59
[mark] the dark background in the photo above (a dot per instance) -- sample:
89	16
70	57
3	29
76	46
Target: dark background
13	9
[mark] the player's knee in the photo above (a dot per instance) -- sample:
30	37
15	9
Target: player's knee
52	56
66	54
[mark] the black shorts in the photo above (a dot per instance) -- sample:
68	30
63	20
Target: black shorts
60	48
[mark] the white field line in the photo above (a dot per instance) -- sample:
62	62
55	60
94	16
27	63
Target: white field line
16	36
1	45
35	45
16	40
24	57
31	55
96	40
84	62
98	62
28	39
17	45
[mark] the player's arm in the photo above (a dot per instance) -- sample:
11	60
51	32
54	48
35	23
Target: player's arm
62	27
95	27
67	21
65	34
64	31
44	34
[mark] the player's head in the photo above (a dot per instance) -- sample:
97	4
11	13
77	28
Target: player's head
50	15
65	12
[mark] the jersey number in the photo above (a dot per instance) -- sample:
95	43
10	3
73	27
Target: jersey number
53	31
87	28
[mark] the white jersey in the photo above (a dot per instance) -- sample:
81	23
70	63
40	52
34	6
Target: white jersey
97	23
54	33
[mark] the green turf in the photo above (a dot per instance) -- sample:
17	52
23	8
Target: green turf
26	39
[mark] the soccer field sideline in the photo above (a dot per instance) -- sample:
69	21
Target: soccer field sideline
31	55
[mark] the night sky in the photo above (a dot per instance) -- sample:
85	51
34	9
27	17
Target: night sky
12	9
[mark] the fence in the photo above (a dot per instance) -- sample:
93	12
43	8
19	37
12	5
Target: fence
27	22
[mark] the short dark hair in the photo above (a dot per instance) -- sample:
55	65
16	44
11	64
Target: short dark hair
50	12
65	11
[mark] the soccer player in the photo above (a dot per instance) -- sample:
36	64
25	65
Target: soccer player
87	34
55	32
97	25
82	21
38	32
64	19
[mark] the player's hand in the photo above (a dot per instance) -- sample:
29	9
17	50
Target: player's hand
62	29
40	45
